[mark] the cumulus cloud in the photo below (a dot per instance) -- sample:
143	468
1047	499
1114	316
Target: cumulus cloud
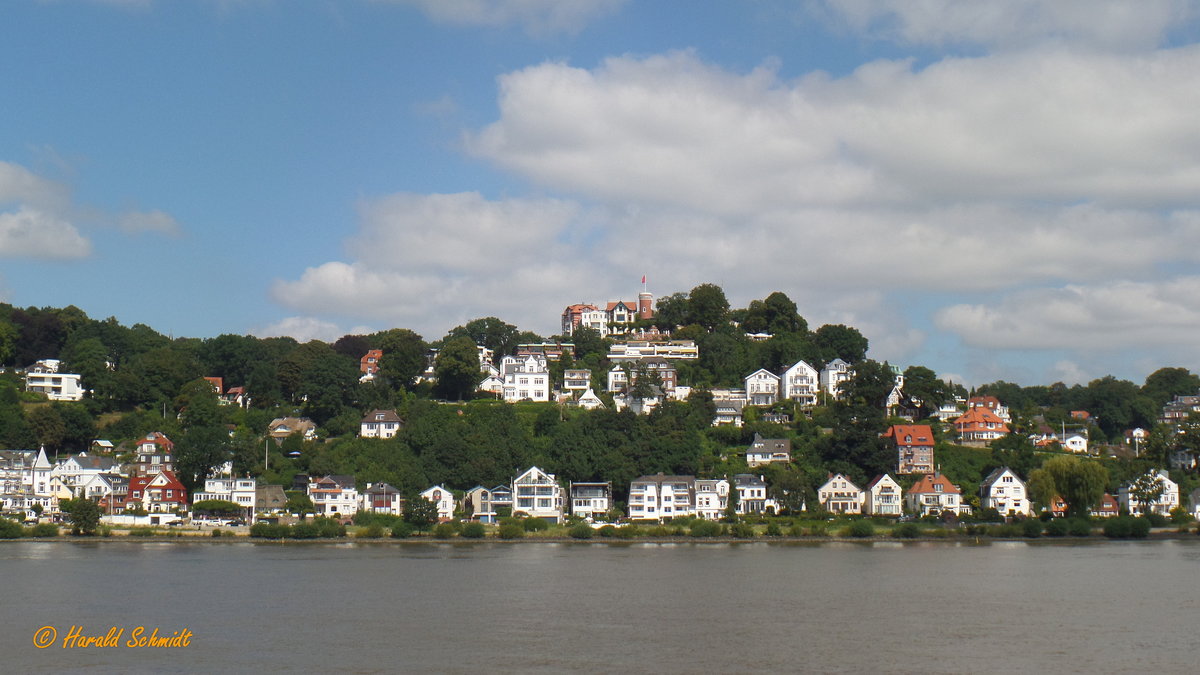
29	233
1109	316
426	261
1109	24
303	329
535	16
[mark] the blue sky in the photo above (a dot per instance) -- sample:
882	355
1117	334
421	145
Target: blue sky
994	190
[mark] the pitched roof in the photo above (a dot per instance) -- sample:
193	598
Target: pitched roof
878	479
388	416
927	482
921	434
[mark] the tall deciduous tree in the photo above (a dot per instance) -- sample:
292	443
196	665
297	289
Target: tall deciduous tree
925	389
671	311
404	356
836	341
1080	483
707	306
457	368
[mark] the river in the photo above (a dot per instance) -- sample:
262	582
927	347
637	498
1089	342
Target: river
928	607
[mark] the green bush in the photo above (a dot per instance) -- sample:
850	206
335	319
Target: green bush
372	531
268	531
473	530
1031	528
328	528
536	525
773	530
860	528
142	532
659	531
1156	519
1118	528
706	528
402	530
305	531
906	531
43	530
818	530
1057	528
581	531
796	531
1006	531
443	531
743	531
608	531
1079	527
1140	527
218	533
511	531
628	532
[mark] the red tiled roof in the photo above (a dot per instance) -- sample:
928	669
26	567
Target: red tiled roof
926	483
922	434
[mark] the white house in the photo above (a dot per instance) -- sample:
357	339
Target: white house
485	505
1076	443
443	499
840	495
801	383
44	377
380	424
525	378
934	494
25	481
591	500
82	468
711	498
589	400
538	495
661	497
833	375
335	496
729	404
752	495
768	451
381	498
762	387
240	491
883	497
1004	491
1168	500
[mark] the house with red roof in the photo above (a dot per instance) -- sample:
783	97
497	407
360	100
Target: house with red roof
1108	507
992	404
159	492
914	447
369	363
978	427
934	494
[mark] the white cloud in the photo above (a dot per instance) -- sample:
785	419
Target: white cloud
537	17
1106	316
304	329
1110	24
20	186
148	221
29	233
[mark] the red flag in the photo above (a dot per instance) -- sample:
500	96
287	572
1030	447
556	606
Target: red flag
643	278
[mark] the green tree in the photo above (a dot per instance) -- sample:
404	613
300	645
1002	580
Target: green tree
198	452
420	512
8	342
217	507
457	369
870	385
490	332
48	426
925	390
1166	383
671	311
707	306
405	355
1147	489
83	513
1078	482
836	341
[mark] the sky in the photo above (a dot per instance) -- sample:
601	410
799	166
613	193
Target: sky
995	190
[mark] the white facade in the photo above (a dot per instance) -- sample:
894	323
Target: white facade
752	495
762	387
833	375
334	496
443	499
25	481
840	495
591	500
538	495
801	383
661	497
712	498
380	424
768	451
883	497
525	378
55	385
1168	500
240	491
1004	491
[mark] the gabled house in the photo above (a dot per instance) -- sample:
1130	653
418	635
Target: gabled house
80	468
591	500
840	495
762	387
801	383
335	496
992	405
282	427
526	378
589	400
487	505
768	451
538	495
1107	508
978	427
752	495
833	375
269	500
159	492
934	494
661	497
368	365
1004	491
883	497
711	498
914	447
1167	500
444	499
381	498
729	404
25	481
380	424
577	380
